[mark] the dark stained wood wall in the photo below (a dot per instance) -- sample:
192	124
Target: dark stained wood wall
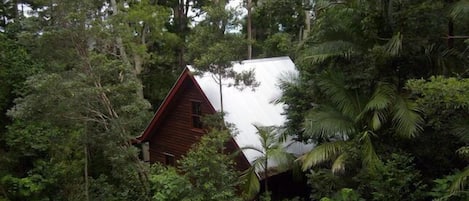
175	134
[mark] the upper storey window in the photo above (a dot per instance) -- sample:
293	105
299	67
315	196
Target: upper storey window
196	114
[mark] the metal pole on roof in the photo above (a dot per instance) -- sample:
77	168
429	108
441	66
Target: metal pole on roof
221	90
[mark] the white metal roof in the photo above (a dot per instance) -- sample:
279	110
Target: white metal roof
250	106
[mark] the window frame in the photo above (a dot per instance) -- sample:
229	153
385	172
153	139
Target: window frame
196	114
169	159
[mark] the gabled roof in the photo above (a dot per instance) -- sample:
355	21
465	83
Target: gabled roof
249	106
158	117
245	107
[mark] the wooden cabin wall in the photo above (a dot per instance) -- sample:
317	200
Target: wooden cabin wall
175	135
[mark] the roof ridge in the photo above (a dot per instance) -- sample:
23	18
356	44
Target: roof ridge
264	59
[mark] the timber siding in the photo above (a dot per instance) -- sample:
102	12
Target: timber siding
175	135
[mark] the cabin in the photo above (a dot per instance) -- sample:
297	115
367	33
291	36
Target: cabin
176	125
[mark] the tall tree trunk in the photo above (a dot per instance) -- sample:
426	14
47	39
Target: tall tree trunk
450	34
181	14
220	85
307	25
249	28
138	61
266	190
87	195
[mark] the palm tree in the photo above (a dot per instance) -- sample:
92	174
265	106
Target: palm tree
350	119
272	150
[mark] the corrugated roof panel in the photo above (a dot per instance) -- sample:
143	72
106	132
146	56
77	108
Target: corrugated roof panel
250	106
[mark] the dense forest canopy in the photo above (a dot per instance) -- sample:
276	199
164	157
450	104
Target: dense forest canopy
383	92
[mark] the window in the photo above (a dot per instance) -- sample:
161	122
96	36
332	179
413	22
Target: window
196	114
169	159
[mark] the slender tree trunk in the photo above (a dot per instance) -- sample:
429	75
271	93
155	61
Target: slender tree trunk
137	71
181	14
220	88
266	190
307	24
138	61
450	34
87	195
249	29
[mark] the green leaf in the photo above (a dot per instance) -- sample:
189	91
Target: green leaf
327	151
406	118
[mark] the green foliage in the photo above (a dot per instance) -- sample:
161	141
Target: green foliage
277	26
278	44
351	118
205	173
212	47
444	100
345	194
75	117
210	170
15	66
168	185
440	189
272	150
396	179
324	184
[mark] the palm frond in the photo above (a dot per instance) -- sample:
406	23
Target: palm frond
283	159
257	149
460	182
394	45
377	120
286	81
370	158
339	164
460	9
326	122
462	130
251	185
268	135
382	97
407	120
333	85
321	52
378	105
463	151
324	152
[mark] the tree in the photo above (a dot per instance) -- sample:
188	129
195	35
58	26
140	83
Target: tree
353	120
167	184
276	27
85	100
211	169
213	47
272	150
396	179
